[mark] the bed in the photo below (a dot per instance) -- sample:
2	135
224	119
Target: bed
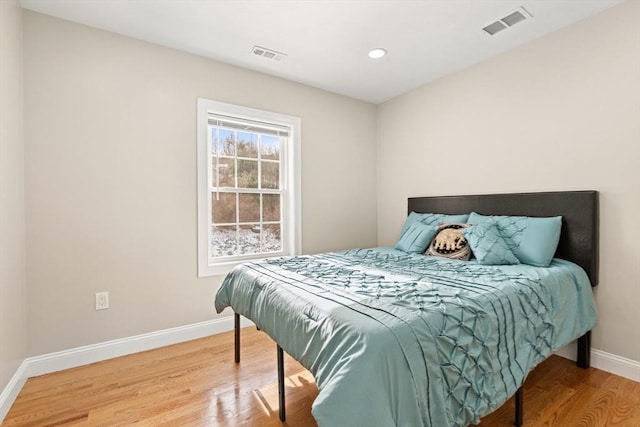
396	338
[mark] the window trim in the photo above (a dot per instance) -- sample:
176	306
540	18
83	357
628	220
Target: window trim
290	164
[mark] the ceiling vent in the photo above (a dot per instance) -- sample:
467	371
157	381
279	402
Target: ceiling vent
268	53
508	21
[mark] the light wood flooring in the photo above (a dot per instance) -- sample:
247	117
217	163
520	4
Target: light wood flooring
197	383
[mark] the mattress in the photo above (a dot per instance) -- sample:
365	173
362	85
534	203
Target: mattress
397	339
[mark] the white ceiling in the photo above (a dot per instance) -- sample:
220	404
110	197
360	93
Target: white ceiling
326	41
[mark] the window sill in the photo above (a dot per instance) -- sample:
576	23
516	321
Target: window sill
223	268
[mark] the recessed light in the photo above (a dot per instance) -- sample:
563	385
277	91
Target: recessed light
377	53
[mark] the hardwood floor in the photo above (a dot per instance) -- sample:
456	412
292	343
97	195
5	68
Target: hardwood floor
197	383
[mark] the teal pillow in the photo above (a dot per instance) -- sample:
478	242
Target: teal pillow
488	246
432	219
416	237
533	240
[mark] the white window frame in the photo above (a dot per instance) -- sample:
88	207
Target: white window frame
290	170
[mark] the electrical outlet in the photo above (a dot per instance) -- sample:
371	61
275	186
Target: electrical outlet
102	300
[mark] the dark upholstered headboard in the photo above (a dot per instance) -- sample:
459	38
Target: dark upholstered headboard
579	211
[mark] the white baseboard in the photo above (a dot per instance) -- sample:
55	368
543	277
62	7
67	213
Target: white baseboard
79	356
608	362
614	364
10	392
52	362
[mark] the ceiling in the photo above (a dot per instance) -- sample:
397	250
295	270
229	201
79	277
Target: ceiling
326	42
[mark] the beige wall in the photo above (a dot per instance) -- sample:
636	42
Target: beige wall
559	113
13	337
111	178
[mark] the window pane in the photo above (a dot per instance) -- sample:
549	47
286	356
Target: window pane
223	241
270	147
270	175
224	172
249	240
226	142
249	207
247	188
271	207
223	208
248	145
271	238
247	174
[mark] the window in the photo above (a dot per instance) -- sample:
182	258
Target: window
248	186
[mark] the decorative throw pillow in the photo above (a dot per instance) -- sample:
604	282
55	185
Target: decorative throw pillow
416	237
488	246
433	219
450	243
533	240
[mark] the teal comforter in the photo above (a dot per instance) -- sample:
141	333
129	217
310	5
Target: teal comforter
396	339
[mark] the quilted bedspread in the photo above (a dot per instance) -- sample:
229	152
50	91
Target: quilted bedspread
397	339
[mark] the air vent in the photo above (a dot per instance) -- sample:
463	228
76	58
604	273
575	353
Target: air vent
268	53
508	21
495	27
514	18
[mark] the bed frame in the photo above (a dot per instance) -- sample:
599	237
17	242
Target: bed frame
578	243
579	210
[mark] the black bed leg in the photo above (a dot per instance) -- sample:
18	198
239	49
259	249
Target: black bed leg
236	325
281	383
518	421
584	350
